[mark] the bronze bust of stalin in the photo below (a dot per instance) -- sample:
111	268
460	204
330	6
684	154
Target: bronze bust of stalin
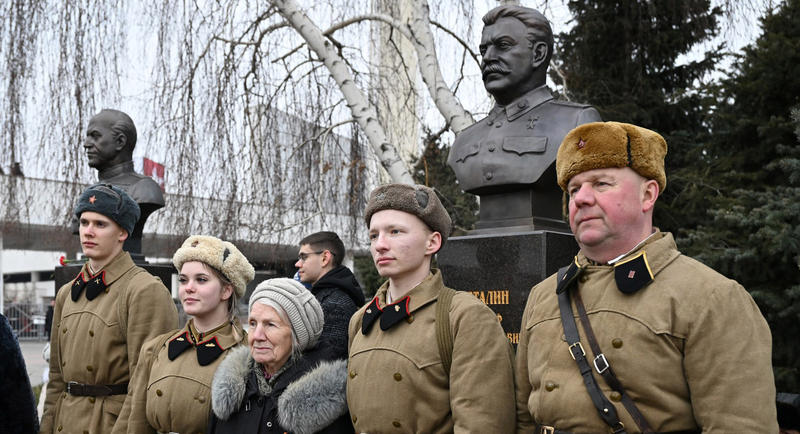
508	158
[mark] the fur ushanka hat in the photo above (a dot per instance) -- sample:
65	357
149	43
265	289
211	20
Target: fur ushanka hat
418	200
600	145
220	255
112	202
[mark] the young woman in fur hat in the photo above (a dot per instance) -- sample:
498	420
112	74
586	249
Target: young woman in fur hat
171	388
286	380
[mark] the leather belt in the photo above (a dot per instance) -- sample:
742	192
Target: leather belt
78	389
546	429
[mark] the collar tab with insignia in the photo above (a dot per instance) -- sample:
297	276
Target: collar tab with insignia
370	315
207	351
633	274
94	286
390	315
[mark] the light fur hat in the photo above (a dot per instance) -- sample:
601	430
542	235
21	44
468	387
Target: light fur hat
220	255
301	307
418	200
600	145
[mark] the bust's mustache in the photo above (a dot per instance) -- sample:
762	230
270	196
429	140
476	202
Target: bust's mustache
494	67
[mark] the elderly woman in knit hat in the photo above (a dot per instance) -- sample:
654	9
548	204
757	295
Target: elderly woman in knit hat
287	381
171	388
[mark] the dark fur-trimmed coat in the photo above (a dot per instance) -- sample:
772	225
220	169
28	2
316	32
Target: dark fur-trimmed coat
307	397
17	410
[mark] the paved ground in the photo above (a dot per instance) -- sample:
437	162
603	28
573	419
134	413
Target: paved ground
32	352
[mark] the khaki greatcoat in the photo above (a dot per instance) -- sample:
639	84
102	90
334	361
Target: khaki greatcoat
88	346
691	348
396	381
174	395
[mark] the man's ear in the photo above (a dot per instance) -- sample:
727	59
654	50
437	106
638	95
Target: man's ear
434	243
540	52
327	258
123	235
650	192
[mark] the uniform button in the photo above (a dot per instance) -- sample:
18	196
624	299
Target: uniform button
60	427
355	419
202	399
92	399
159	392
107	290
89	368
522	104
91	333
490	123
617	343
396	424
63	363
397	376
410	319
352	374
498	124
491	148
583	278
616	396
489	175
550	386
63	331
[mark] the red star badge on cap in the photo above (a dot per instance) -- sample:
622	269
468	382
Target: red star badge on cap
92	199
581	144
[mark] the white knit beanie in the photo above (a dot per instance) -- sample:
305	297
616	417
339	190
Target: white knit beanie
300	305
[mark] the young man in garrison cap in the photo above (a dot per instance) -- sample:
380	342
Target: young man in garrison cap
319	263
633	336
398	379
101	319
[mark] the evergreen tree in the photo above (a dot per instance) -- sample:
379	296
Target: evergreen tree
752	233
621	58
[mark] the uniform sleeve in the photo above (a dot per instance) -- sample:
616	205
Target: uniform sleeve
481	374
151	312
55	383
728	363
337	309
133	417
521	377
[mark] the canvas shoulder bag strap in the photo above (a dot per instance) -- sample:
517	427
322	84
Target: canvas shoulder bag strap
444	336
122	299
604	369
566	280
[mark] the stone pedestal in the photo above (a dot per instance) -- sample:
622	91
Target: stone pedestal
500	269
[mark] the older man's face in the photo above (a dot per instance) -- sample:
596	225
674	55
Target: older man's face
101	146
507	57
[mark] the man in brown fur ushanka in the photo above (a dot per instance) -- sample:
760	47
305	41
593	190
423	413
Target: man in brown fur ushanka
633	336
398	379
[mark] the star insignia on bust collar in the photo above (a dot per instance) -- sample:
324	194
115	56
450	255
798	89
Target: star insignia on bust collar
92	199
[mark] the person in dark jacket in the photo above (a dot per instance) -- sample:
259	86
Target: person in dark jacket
319	263
287	381
17	409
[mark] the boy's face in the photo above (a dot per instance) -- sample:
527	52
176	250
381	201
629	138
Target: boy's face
401	244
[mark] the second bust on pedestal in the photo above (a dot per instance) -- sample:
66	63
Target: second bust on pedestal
508	157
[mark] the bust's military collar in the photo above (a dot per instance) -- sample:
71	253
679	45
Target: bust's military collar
115	170
525	103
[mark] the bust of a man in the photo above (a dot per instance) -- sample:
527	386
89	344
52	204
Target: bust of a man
508	158
110	140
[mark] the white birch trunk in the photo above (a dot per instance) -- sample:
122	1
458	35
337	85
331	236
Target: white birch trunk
363	112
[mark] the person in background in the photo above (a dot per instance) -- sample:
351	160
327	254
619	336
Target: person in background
319	263
101	319
17	407
171	388
286	381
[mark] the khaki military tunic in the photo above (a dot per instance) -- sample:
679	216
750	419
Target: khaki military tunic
175	395
691	348
396	382
88	346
